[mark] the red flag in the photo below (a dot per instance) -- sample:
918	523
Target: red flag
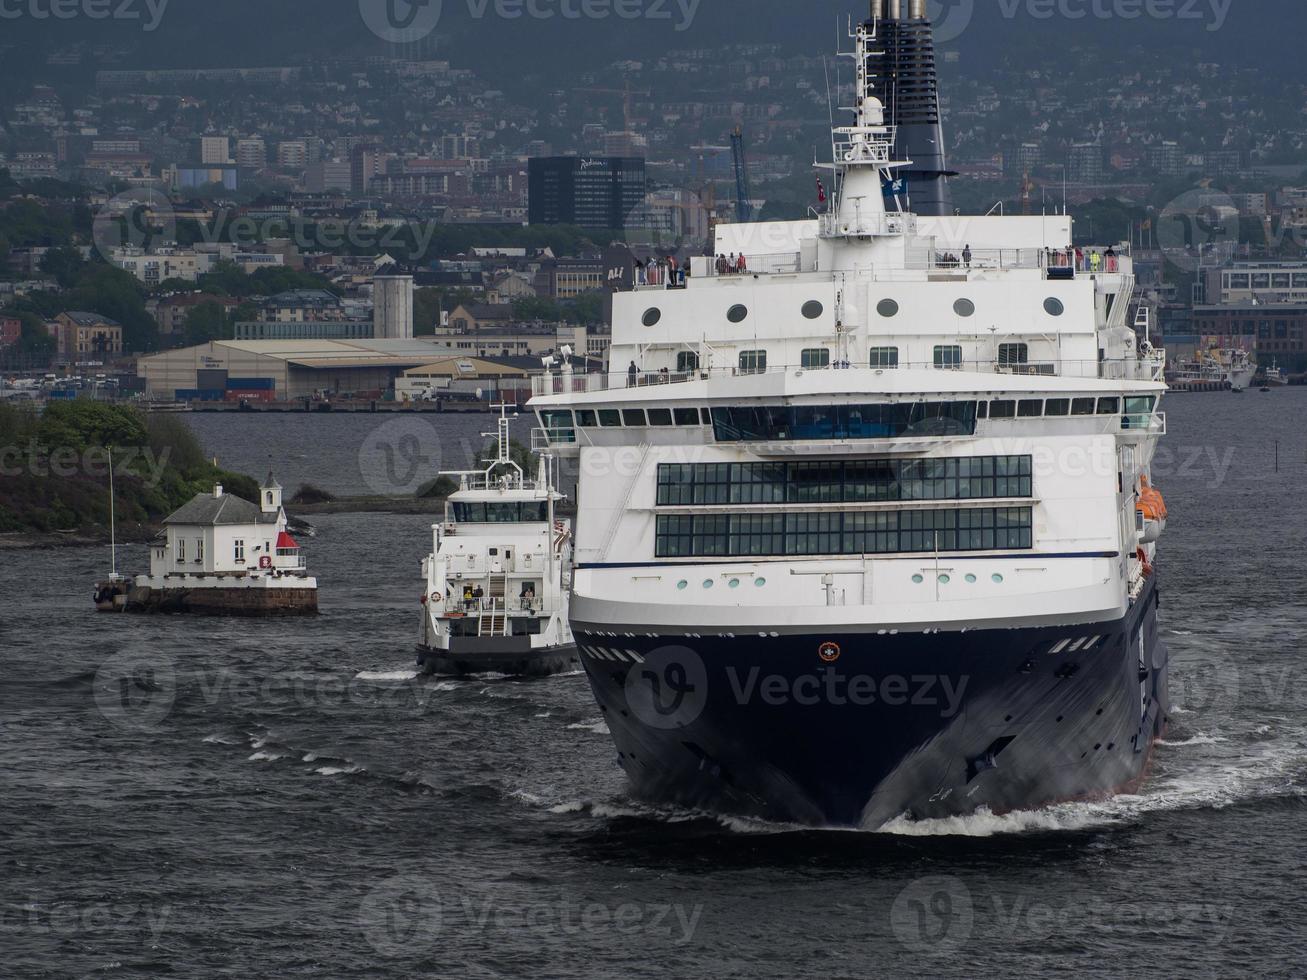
821	192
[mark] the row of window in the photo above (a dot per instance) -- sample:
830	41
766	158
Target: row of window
945	356
855	533
861	481
800	422
498	512
783	422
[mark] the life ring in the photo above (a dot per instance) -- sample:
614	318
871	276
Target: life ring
829	652
436	597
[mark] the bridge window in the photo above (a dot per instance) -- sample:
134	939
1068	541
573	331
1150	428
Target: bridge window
884	357
1109	406
610	418
1082	406
586	418
686	416
558	425
836	533
1030	408
1003	410
773	423
633	417
660	416
687	362
1057	406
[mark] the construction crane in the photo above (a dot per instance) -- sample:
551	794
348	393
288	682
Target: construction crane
743	204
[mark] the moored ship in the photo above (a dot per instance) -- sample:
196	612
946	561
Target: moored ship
868	532
496	581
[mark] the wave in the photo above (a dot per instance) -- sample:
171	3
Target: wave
598	726
387	675
217	740
262	756
338	770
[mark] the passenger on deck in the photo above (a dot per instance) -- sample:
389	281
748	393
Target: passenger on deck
966	256
721	265
478	594
1111	259
468	601
632	374
740	265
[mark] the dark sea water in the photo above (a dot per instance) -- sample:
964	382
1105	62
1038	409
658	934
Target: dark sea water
288	799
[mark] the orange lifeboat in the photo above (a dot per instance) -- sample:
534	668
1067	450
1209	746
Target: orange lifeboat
1152	512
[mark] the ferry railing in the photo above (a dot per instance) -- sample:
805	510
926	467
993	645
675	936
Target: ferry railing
1124	369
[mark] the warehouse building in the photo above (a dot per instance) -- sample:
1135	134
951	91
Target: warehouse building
282	370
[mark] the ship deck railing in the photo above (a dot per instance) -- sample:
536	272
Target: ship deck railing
1140	369
939	261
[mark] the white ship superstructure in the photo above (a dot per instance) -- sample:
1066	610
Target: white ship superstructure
908	453
496	581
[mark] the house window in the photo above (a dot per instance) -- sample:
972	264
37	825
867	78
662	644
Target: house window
753	361
199	549
238	551
948	357
181	549
884	357
269	498
815	357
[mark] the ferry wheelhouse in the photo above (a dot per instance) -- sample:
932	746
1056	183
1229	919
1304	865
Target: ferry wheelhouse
497	578
867	531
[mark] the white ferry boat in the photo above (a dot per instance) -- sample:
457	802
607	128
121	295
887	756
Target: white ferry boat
1232	368
497	578
867	531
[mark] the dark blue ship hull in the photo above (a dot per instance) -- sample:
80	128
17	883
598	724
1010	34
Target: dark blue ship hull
858	728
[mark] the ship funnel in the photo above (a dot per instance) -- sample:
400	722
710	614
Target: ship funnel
877	10
901	74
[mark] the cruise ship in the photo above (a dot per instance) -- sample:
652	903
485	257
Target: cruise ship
866	532
495	584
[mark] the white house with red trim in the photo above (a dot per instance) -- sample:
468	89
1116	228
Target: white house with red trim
224	543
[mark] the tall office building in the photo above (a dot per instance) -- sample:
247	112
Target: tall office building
592	192
251	154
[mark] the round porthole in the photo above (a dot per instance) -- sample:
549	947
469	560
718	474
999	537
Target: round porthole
682	584
651	316
997	578
887	308
760	582
964	307
970	577
707	583
737	313
1053	306
945	579
812	309
918	578
734	583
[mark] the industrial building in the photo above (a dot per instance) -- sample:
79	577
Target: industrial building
284	369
